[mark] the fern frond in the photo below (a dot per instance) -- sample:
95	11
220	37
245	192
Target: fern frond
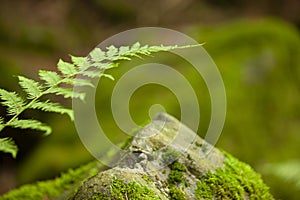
122	51
31	87
112	53
105	66
92	73
78	82
76	73
81	62
12	101
97	73
66	68
2	124
51	78
66	92
7	145
136	50
136	46
127	52
52	107
30	124
97	55
108	76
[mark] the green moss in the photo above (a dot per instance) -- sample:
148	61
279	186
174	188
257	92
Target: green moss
147	179
236	180
178	167
176	194
203	191
100	196
176	173
121	190
53	188
176	176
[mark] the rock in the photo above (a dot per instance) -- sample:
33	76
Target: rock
166	160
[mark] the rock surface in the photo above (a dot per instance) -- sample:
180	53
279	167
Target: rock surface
166	160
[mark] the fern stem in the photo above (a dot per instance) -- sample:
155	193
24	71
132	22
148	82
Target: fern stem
47	91
37	98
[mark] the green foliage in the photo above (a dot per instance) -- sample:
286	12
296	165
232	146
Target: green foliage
132	190
176	173
48	106
7	145
178	167
12	101
176	176
176	194
30	124
53	188
236	180
77	73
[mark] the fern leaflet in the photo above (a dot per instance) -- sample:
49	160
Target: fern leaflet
12	101
30	124
66	69
51	78
31	87
7	145
66	92
48	106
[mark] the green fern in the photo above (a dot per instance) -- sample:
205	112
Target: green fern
7	145
76	73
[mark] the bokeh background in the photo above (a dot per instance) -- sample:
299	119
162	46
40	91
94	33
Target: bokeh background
255	44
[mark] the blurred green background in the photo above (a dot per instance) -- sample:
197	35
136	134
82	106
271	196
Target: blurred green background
255	44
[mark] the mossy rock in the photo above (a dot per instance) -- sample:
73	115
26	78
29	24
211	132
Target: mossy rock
164	160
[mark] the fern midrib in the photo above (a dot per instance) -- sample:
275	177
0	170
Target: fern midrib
117	58
36	98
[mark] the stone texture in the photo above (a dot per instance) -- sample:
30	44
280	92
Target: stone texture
172	162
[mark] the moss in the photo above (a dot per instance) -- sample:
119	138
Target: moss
121	190
100	196
176	194
178	167
54	188
236	180
176	176
203	191
176	173
147	179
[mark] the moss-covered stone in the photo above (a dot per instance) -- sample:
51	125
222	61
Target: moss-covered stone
160	164
236	180
63	186
176	194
